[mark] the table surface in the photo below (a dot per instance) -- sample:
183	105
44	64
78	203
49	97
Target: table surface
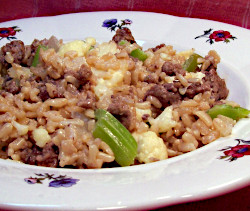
236	12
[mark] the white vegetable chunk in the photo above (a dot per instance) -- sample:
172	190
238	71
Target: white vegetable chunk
150	147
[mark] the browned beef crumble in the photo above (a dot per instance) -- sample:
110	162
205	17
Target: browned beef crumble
87	100
156	48
194	89
168	93
46	156
82	76
122	111
11	85
17	50
216	84
172	69
36	43
165	94
43	94
123	34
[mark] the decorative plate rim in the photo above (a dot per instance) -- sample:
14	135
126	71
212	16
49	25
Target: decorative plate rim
196	194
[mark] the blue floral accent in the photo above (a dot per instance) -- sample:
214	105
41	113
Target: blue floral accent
59	181
67	182
112	24
109	23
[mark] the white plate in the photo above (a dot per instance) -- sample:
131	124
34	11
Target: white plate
193	176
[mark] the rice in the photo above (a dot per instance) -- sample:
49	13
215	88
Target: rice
47	112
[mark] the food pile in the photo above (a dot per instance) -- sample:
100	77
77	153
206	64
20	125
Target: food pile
84	104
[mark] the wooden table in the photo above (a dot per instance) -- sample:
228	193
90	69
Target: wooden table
236	12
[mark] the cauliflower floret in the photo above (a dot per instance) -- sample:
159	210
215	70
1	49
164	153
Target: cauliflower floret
150	147
41	136
164	121
21	129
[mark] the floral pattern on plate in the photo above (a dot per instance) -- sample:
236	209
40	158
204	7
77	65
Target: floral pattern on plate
9	32
232	153
217	36
55	181
112	24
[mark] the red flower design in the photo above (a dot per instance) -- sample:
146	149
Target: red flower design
217	36
238	151
9	32
220	35
233	153
5	32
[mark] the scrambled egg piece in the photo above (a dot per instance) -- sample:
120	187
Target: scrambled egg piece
150	147
186	53
80	46
164	121
105	86
106	48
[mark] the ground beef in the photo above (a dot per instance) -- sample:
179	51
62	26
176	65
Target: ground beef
87	100
216	84
122	111
33	47
46	156
158	47
17	50
59	90
82	76
167	94
11	85
36	43
196	88
173	87
123	34
43	94
172	69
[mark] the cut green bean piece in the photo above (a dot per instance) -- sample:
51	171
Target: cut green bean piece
235	113
191	63
139	54
119	139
